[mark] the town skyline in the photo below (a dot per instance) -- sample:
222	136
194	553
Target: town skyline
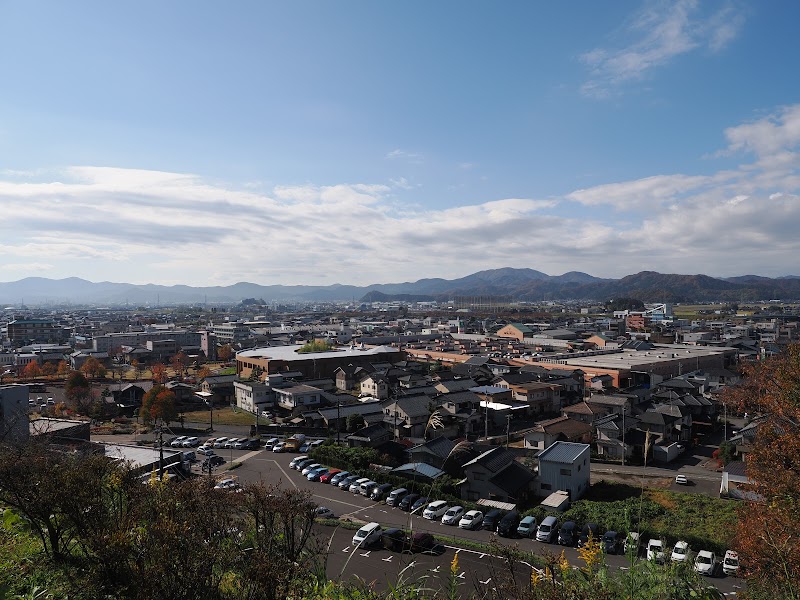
370	144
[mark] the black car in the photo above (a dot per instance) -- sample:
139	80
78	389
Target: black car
408	501
507	527
422	542
612	542
252	444
395	540
568	534
492	519
592	529
379	493
420	502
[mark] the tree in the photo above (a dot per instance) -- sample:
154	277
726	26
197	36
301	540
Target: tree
32	370
137	368
203	373
225	353
159	373
63	368
767	536
355	422
179	362
159	403
77	392
48	369
93	368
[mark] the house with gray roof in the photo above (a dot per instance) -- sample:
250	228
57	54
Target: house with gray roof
496	475
564	466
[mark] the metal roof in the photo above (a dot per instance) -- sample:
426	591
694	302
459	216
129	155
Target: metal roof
563	452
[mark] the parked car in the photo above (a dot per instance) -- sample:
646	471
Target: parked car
589	530
420	504
220	442
191	442
611	542
435	510
568	534
365	489
730	564
492	518
326	477
303	464
239	444
408	501
297	459
547	530
207	450
633	543
472	519
507	527
705	562
345	483
279	447
355	487
270	443
379	493
395	540
315	474
305	447
655	550
230	442
368	534
214	460
323	512
422	542
395	496
316	444
680	552
681	480
252	444
227	484
311	467
175	442
527	527
338	477
453	515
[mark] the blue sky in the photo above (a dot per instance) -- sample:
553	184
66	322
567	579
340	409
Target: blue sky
362	142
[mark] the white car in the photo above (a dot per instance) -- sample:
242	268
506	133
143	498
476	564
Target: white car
220	442
471	520
435	510
680	553
655	550
178	441
191	441
355	487
453	515
226	484
232	441
681	480
730	564
279	447
310	467
368	534
270	443
705	562
207	450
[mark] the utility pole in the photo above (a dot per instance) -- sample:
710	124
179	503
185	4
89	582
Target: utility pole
160	450
338	421
508	428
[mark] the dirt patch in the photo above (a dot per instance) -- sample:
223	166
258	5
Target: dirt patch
659	497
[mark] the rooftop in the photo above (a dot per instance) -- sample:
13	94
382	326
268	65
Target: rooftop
289	353
563	452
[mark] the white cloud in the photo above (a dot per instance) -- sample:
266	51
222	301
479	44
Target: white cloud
397	153
660	32
145	226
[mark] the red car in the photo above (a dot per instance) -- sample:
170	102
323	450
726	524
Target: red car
327	477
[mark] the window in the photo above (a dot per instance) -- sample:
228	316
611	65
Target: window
567	472
546	486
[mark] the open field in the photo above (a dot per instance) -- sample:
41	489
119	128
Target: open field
222	416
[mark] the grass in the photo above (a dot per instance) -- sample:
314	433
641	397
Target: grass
222	416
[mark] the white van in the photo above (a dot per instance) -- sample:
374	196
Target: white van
355	487
368	534
366	488
547	530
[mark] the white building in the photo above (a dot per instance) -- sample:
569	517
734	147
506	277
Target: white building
253	396
564	466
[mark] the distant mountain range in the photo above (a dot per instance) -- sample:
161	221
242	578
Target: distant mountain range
516	284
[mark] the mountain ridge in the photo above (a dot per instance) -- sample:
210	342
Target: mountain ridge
522	284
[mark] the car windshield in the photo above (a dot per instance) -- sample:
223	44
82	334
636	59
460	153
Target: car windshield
731	562
544	528
704	559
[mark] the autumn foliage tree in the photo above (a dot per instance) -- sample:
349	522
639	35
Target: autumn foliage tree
63	368
32	370
179	362
77	392
159	403
769	530
159	373
225	353
93	368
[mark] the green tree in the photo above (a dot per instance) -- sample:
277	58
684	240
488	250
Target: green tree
355	422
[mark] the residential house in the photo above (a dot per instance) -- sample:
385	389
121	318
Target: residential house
563	428
345	378
432	452
583	411
298	398
541	398
496	475
564	466
375	385
253	396
408	416
371	436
